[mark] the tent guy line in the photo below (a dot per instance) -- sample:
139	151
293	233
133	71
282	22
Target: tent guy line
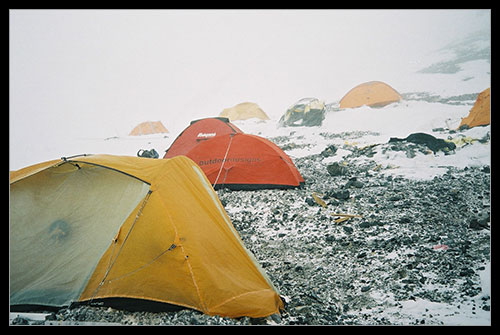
223	162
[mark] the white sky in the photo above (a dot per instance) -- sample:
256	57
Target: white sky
98	73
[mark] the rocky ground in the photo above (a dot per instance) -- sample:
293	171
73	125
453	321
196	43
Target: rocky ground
415	239
407	240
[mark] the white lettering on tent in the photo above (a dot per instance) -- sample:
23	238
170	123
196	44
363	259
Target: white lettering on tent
206	135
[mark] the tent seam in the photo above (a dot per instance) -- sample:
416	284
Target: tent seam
172	247
112	263
241	295
186	256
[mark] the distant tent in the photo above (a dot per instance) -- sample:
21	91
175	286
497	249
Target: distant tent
199	131
479	115
307	112
148	127
129	230
373	94
244	111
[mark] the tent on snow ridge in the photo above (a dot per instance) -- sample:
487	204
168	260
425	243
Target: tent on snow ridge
109	228
479	115
308	112
148	127
372	94
244	111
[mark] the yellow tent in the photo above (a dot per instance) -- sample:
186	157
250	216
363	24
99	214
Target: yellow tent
148	127
479	115
92	228
244	111
372	93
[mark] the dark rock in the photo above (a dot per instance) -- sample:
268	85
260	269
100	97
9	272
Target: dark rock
479	224
20	321
365	224
340	194
466	272
310	201
354	183
336	169
396	197
333	202
329	151
405	219
51	317
330	238
348	229
361	255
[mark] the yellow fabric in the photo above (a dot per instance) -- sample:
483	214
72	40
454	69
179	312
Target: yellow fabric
461	141
479	115
244	111
177	246
32	169
373	94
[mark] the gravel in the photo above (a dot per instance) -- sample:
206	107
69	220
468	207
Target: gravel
414	240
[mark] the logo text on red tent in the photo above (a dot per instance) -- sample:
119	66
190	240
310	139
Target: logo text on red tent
206	135
248	160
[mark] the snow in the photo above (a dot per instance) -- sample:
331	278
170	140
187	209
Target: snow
378	126
471	78
452	315
421	308
373	126
418	309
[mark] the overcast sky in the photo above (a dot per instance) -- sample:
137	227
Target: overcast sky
98	73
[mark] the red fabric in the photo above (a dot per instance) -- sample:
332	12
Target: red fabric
200	131
250	160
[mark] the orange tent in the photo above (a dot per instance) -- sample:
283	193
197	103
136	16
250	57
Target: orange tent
148	127
372	93
199	131
479	115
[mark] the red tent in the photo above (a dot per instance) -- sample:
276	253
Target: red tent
241	161
200	131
